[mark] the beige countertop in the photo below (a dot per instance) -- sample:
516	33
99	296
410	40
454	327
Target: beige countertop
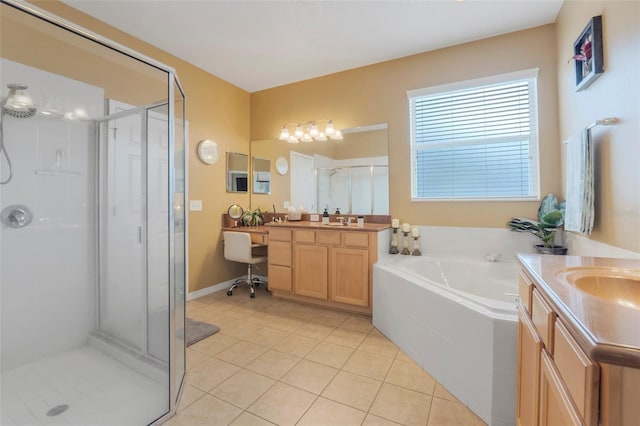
608	331
368	227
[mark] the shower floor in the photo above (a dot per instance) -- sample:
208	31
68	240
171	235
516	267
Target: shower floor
98	389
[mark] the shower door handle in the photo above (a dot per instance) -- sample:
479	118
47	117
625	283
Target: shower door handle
139	234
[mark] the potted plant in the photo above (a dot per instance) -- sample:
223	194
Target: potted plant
252	217
550	218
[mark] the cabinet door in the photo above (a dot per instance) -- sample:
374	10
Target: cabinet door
310	267
279	278
556	408
350	276
529	348
279	253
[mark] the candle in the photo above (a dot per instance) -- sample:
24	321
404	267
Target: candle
395	223
406	227
415	232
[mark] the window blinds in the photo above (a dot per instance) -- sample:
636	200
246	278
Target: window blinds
475	143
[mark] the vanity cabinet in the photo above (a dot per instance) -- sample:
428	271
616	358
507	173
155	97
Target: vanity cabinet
557	382
280	260
329	267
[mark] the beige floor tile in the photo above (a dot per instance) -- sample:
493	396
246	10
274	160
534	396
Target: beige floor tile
195	358
248	419
344	337
189	396
267	337
314	331
210	374
445	413
329	354
379	345
290	325
207	410
327	412
442	392
241	312
409	375
372	420
215	344
280	307
265	318
401	405
296	345
353	390
242	353
283	404
359	323
243	388
273	364
304	313
330	317
375	332
368	364
240	329
310	376
402	356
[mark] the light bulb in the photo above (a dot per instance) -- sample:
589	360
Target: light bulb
313	129
299	132
329	130
321	137
293	139
284	134
306	138
337	136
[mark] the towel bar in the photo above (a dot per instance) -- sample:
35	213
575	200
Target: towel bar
609	121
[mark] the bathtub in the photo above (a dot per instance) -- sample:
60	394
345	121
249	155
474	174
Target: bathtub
456	317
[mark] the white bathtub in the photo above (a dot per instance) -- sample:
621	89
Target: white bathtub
456	317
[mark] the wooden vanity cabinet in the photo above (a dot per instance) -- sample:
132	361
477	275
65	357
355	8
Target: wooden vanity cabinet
280	260
332	267
558	384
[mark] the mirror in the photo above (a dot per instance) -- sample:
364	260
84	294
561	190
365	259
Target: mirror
261	182
235	211
237	172
351	174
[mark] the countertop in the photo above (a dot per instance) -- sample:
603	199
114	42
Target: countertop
368	227
609	332
250	229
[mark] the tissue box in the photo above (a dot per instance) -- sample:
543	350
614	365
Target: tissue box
294	215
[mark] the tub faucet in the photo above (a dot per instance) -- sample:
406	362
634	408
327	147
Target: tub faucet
492	257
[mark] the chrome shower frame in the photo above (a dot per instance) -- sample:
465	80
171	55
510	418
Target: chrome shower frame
175	382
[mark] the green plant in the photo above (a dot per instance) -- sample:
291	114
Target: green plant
550	218
252	217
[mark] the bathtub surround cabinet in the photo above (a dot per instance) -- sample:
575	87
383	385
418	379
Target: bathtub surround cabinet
326	265
575	366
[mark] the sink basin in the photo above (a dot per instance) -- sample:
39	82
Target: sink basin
616	285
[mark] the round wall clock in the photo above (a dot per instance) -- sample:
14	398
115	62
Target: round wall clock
282	165
208	151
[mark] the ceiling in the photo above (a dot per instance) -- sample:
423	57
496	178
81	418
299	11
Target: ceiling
257	45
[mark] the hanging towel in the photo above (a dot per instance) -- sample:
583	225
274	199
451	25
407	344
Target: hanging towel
579	212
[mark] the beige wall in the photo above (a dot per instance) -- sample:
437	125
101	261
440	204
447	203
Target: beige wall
377	94
215	110
616	93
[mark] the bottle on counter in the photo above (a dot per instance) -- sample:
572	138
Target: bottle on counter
325	217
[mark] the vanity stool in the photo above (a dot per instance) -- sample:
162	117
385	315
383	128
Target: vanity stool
238	248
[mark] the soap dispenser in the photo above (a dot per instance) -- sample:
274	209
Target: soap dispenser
325	217
338	210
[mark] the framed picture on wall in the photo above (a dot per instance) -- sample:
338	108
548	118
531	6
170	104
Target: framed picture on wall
588	54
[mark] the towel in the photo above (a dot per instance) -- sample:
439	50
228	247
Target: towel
580	212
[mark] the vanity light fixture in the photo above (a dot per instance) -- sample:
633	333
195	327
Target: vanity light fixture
309	132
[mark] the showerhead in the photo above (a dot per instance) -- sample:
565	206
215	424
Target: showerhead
18	103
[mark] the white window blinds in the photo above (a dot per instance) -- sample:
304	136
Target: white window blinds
475	142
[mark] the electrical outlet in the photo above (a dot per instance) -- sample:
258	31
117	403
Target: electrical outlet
285	205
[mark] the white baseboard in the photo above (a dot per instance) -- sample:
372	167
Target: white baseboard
218	287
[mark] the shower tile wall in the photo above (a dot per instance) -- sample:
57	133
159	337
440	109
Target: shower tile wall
47	269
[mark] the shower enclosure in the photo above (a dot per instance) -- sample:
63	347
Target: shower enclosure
92	239
357	189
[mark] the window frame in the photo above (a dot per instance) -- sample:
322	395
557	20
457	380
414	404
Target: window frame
534	138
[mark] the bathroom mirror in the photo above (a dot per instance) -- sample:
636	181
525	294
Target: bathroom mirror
261	169
351	174
237	172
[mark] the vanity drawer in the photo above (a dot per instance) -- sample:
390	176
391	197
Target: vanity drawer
259	238
543	318
525	288
356	239
280	234
329	237
579	374
280	278
279	253
304	236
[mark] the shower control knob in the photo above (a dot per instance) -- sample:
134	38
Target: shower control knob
16	216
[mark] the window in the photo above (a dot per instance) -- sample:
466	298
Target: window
476	139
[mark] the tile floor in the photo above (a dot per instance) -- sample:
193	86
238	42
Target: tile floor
283	363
